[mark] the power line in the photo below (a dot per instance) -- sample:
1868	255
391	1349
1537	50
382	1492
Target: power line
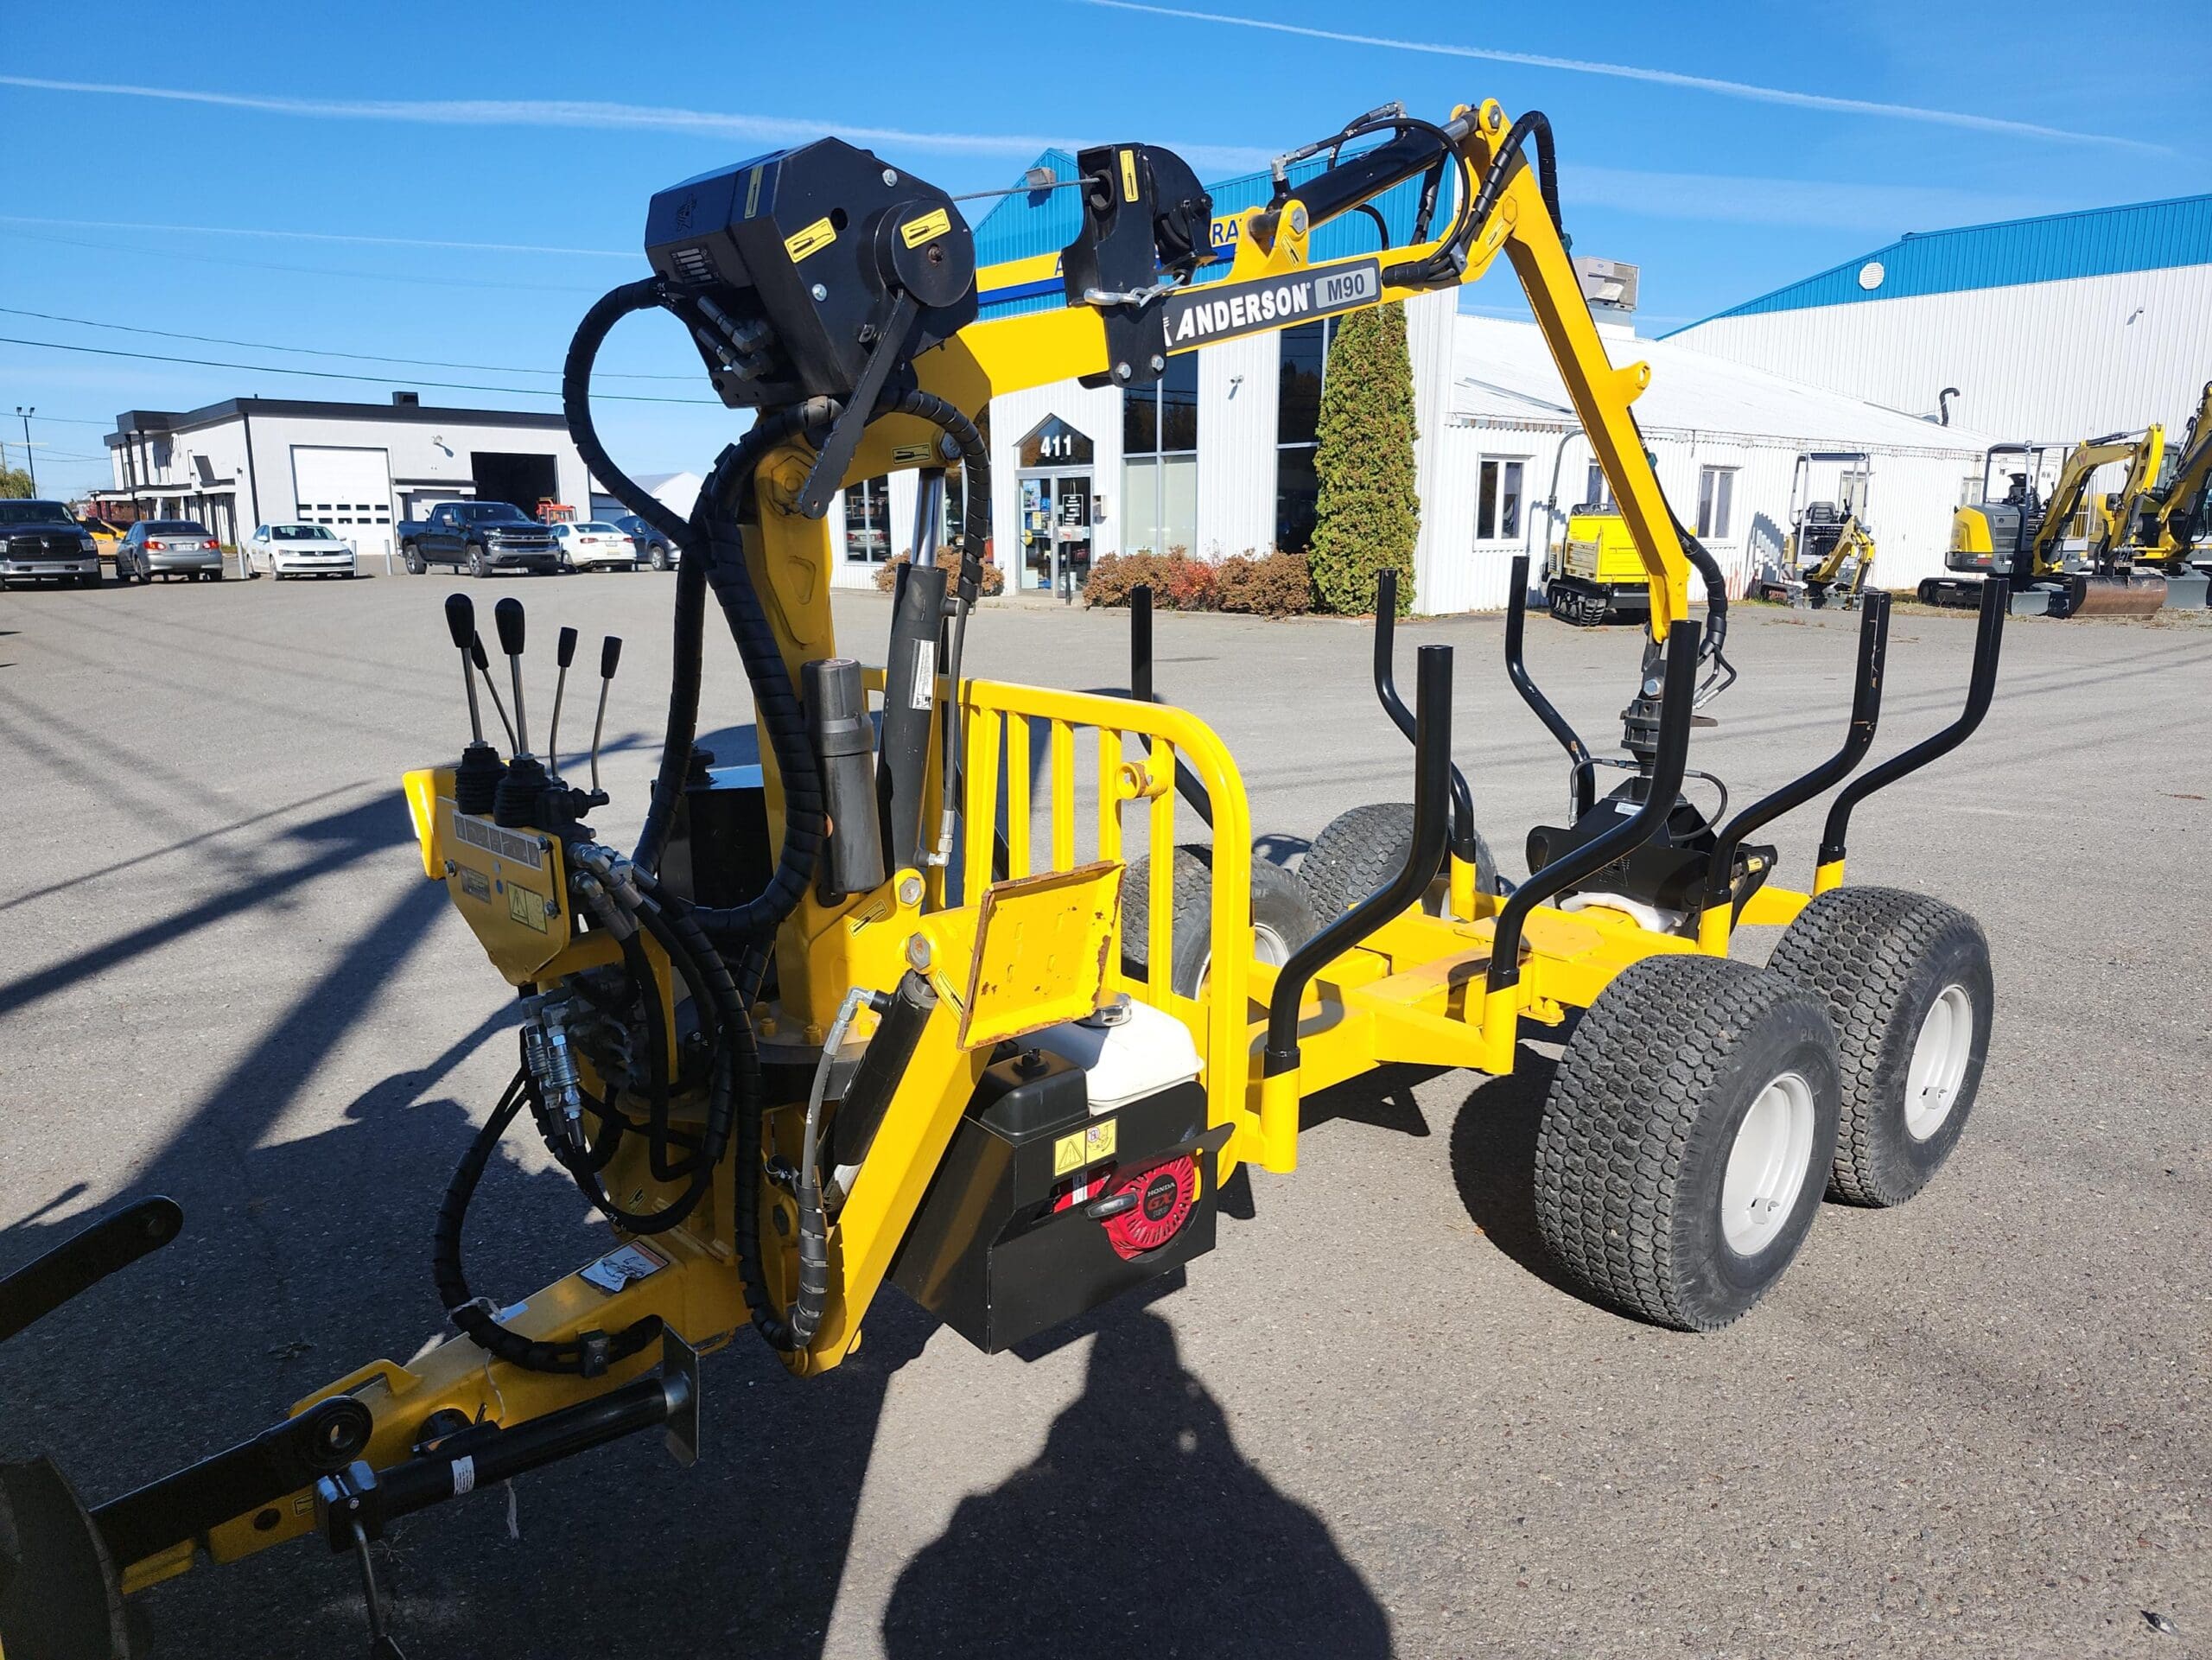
315	352
332	374
309	270
317	236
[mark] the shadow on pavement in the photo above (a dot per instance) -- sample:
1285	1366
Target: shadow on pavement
1140	1529
1494	1162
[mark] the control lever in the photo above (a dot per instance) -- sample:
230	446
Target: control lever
563	655
610	653
484	667
507	614
460	623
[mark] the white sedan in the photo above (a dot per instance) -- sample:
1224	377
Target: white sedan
297	550
593	545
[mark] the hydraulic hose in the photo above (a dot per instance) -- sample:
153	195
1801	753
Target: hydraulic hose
691	607
588	1355
783	723
976	528
1450	260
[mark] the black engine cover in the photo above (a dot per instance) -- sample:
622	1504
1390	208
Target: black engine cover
755	240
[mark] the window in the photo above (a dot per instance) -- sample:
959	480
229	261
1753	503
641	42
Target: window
868	521
1716	491
1852	489
1597	494
1498	499
1970	490
1159	475
1298	425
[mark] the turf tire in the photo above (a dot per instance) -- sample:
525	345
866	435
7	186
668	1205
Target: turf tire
1880	957
1640	1122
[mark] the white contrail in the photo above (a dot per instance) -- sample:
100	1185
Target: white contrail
558	112
315	235
1659	77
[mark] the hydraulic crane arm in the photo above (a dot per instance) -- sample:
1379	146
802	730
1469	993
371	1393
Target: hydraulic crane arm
1507	202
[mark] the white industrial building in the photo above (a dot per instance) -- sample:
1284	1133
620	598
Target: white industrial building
359	468
2060	328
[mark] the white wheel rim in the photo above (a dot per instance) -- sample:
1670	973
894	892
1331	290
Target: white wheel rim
1767	1165
1268	946
1939	1054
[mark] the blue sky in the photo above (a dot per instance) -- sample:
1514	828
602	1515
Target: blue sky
317	159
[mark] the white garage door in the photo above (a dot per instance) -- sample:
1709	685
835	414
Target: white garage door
349	490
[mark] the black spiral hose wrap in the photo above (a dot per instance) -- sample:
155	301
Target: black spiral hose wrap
472	1314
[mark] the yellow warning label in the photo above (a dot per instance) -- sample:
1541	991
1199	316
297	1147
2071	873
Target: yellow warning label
915	232
526	907
1087	1146
813	239
1128	175
752	190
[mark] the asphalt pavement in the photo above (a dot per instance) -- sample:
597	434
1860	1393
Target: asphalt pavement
1371	1423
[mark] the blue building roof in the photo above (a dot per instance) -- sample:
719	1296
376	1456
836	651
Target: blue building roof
2094	242
1032	222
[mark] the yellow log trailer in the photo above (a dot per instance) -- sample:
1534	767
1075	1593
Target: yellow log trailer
869	1019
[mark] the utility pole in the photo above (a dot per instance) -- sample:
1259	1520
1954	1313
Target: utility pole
30	460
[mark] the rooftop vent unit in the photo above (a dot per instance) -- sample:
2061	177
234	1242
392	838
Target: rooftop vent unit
1607	284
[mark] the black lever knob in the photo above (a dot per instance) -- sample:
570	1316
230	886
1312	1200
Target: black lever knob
460	618
564	653
476	651
610	653
508	615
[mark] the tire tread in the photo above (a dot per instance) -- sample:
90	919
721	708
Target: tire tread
1855	948
1619	1119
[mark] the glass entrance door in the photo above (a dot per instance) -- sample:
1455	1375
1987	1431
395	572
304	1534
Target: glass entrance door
1071	527
1055	530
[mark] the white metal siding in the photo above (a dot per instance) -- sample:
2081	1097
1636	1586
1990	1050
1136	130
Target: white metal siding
2054	360
1237	384
1431	321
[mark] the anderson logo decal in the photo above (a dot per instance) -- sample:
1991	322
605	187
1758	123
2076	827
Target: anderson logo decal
1215	312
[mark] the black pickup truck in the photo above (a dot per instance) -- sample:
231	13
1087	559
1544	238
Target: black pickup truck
42	541
484	536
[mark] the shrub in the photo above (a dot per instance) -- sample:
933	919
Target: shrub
1272	584
1177	581
948	560
1188	584
1114	575
1368	516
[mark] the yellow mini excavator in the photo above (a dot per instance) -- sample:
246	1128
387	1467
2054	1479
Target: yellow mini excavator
1829	553
2021	536
2165	527
860	1019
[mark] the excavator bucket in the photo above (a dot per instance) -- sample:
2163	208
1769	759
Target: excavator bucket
2119	596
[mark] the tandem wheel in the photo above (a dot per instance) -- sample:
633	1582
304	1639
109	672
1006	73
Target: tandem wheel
1906	981
1283	917
1687	1137
1362	850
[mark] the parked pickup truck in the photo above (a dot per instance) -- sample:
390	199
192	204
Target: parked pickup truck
42	541
484	536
